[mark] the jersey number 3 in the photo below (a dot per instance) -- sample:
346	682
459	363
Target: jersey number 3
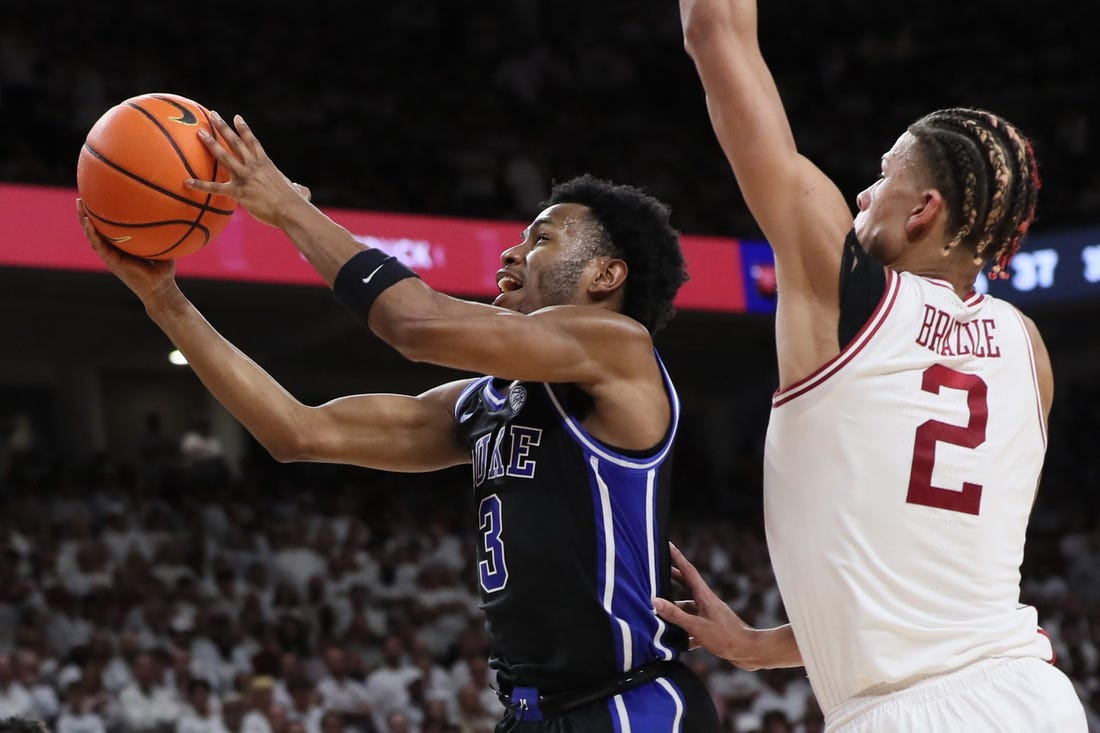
921	490
492	572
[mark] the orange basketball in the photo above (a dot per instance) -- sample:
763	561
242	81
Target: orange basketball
131	171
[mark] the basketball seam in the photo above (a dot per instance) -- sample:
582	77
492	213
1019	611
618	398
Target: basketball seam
203	207
146	182
193	226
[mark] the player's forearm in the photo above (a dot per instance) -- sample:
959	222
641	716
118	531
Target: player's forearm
770	649
712	23
324	243
266	410
742	100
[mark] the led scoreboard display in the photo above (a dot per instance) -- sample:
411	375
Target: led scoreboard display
38	229
1052	267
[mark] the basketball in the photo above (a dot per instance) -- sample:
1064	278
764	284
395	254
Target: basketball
130	176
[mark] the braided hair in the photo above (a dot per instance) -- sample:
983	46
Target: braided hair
986	170
634	226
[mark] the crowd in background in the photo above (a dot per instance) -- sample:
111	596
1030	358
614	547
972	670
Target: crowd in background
472	109
179	594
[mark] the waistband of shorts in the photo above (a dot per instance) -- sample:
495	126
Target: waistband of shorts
557	704
927	689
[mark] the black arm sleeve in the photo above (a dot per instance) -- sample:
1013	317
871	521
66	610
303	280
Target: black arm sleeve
862	285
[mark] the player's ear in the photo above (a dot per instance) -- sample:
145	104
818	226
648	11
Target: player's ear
924	215
609	276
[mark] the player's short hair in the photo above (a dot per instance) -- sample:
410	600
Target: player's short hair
986	170
635	228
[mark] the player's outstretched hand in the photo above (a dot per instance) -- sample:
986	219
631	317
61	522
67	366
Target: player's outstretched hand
254	180
145	277
708	620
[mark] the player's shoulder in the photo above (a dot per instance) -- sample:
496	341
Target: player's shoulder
605	331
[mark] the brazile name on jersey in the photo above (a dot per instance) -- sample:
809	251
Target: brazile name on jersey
943	335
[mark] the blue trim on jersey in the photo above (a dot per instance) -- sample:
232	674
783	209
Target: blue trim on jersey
624	500
467	391
592	445
654	708
495	397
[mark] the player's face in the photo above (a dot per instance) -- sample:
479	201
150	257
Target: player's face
886	204
546	268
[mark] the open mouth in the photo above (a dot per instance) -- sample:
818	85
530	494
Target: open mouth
508	283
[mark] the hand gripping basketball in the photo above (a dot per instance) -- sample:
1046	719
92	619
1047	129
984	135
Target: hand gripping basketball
130	175
254	181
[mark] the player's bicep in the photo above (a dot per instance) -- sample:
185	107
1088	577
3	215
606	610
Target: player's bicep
577	344
389	432
555	344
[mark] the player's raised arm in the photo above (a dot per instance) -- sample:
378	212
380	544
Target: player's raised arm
801	212
384	431
584	347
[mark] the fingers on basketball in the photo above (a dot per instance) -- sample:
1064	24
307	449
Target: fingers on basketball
131	176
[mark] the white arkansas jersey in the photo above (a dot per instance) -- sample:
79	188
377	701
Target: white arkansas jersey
898	482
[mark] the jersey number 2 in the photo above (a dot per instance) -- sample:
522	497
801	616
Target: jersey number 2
921	490
492	572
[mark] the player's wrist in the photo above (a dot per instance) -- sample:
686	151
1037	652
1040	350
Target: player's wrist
366	276
294	210
165	299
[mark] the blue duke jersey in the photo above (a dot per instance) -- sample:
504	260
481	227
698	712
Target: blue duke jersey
573	540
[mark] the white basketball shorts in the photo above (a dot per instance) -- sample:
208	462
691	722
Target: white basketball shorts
1003	695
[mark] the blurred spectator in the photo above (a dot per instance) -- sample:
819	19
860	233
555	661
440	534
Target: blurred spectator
435	683
147	704
784	690
305	703
333	722
203	456
388	686
15	700
28	671
398	722
233	711
19	724
219	653
344	695
775	721
81	712
198	715
261	711
122	537
473	715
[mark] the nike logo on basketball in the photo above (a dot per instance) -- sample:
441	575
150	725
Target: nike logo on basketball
187	117
366	280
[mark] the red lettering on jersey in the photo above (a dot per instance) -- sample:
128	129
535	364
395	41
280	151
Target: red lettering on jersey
988	324
926	326
939	331
975	339
952	329
960	347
